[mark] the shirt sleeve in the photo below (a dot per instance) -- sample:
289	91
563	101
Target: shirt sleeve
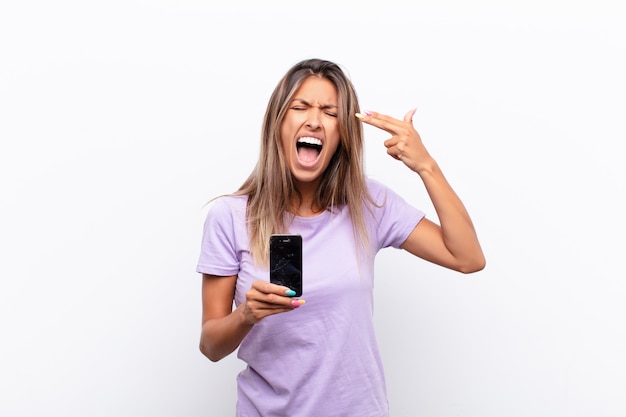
395	218
218	252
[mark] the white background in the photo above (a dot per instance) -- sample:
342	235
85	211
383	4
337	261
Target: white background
120	119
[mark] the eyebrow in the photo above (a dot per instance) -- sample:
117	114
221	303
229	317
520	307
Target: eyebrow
324	106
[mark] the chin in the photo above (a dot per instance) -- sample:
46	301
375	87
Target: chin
306	177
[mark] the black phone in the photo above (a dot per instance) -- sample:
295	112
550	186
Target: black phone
286	261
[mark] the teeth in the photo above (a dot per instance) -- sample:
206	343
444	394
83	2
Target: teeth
310	141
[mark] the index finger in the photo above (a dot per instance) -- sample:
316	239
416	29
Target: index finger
382	121
270	288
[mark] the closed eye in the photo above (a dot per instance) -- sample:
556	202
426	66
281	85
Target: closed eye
299	104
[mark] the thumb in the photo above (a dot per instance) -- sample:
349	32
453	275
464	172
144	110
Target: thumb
408	117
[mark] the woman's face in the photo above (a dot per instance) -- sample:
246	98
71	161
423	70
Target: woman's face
310	130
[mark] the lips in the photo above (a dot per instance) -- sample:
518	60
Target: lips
308	149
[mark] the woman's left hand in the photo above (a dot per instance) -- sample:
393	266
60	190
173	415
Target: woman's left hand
405	143
453	244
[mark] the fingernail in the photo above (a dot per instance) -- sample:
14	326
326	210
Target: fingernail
290	293
297	303
359	115
368	113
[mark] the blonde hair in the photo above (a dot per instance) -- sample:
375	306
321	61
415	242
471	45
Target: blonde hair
270	187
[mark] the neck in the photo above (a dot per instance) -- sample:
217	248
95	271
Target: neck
305	206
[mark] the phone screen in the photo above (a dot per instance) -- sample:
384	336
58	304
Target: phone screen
286	261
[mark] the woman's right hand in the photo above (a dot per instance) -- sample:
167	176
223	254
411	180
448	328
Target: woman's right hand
265	299
222	328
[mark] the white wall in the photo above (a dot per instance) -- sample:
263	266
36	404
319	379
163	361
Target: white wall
119	119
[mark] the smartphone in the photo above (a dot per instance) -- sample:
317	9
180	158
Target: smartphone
286	261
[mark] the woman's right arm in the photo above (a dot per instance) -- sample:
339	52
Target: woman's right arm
223	328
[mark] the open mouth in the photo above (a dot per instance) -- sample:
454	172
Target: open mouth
308	148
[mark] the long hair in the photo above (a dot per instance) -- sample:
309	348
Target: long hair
270	187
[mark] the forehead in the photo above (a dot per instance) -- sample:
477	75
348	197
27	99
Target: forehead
317	90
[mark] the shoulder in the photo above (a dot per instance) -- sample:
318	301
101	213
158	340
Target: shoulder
378	191
227	208
384	198
228	203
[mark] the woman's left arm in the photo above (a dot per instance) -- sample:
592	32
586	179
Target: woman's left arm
454	243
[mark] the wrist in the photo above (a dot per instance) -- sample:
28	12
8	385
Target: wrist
427	168
246	321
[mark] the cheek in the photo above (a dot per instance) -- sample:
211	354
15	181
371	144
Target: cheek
334	133
290	126
334	145
286	132
332	128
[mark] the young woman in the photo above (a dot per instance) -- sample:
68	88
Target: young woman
320	358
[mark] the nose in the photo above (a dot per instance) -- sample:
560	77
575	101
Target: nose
313	120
